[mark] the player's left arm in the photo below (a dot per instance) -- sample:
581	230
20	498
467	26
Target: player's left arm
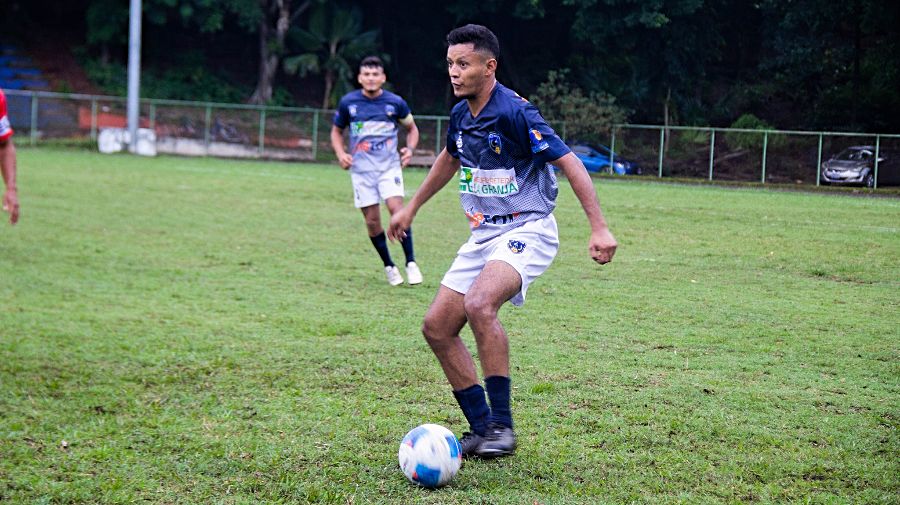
412	139
602	245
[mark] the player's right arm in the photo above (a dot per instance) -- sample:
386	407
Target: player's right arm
337	143
445	167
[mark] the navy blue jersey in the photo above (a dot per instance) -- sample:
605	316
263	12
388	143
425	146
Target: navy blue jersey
504	179
373	129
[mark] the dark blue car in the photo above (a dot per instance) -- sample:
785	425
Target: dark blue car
596	159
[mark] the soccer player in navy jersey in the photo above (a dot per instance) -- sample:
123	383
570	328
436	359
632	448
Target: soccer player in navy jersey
373	113
500	147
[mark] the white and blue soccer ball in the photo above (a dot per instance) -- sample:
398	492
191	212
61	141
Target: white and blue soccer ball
430	455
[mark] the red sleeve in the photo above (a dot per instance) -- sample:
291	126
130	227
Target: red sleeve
6	130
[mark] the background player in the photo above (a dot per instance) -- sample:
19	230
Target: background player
500	146
8	164
372	114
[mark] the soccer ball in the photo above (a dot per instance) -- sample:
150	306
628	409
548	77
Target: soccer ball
430	455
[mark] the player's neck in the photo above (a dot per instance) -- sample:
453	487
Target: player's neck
373	94
481	99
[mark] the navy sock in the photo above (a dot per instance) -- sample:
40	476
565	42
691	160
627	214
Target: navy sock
408	246
498	391
380	243
474	406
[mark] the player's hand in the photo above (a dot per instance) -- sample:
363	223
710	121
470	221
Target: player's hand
602	246
11	205
400	222
345	160
405	155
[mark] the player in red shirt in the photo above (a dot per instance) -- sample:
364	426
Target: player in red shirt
8	164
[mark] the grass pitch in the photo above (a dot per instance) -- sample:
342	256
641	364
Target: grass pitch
203	331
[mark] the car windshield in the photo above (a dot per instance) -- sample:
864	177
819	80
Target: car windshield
854	154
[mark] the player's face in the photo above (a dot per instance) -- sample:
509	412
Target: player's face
470	71
371	79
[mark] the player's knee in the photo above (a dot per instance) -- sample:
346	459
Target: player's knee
478	309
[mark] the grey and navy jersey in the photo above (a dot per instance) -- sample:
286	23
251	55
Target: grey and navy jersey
504	179
373	129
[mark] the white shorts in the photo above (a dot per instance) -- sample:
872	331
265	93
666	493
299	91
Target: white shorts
370	188
529	249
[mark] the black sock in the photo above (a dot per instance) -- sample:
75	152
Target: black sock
380	243
408	246
498	391
474	406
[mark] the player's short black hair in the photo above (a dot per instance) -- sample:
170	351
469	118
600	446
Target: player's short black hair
479	36
371	61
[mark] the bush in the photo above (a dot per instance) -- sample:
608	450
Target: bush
747	140
586	117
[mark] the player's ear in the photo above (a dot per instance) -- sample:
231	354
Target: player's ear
491	65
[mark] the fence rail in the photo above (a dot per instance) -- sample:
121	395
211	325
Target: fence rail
301	133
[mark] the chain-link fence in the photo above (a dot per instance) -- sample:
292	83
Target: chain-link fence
296	133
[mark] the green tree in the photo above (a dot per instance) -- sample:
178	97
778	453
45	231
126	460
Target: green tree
330	44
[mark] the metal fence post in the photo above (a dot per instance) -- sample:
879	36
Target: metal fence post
819	162
564	131
152	116
34	117
206	128
765	149
612	150
877	149
662	140
262	129
315	135
712	151
93	118
437	138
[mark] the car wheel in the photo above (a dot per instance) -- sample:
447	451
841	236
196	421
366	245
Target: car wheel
870	180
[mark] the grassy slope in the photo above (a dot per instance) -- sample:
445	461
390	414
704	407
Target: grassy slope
208	331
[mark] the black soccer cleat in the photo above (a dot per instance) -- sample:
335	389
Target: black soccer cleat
469	443
498	441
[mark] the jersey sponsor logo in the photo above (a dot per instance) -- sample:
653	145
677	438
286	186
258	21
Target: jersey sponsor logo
373	146
477	218
516	246
538	143
390	110
366	128
488	183
4	125
459	141
494	142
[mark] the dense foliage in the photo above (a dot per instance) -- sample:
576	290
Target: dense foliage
813	64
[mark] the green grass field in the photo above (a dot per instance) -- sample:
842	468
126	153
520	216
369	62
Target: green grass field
204	331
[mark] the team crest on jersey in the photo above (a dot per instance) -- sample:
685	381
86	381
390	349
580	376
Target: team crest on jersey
352	109
390	110
494	142
538	143
516	246
459	141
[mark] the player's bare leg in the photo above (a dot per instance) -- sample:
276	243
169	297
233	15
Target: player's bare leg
445	318
497	283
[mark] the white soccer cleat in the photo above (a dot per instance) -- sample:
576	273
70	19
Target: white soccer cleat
413	274
393	276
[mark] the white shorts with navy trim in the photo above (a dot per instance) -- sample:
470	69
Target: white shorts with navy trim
529	249
371	188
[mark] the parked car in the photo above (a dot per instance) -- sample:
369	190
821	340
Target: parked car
856	165
596	159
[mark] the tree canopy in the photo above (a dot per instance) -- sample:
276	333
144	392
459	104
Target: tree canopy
813	64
